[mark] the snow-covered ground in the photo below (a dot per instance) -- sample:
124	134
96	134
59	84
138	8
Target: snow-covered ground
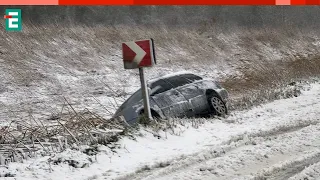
277	140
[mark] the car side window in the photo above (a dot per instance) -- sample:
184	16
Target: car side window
159	87
177	81
192	77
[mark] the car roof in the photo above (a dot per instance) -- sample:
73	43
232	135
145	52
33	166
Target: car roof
170	75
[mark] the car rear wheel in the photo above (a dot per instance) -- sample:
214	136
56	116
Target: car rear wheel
217	105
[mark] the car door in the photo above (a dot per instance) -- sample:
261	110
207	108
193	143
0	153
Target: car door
191	91
170	101
195	96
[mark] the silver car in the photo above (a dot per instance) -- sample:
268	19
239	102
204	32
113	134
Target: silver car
177	95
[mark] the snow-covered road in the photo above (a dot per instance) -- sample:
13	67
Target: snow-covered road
278	140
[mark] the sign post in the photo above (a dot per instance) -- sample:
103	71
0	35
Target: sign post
145	94
139	54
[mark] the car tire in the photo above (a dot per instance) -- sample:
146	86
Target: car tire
217	106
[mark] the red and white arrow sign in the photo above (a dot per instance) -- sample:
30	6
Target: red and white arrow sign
138	54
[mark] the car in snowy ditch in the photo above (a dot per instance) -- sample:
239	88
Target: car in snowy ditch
177	95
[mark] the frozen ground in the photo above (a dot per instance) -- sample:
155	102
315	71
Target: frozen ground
278	140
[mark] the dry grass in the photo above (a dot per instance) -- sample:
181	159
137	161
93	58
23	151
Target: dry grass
269	81
69	129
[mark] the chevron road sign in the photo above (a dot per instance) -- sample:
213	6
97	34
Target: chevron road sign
137	54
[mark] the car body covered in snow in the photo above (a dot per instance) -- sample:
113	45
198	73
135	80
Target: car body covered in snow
177	95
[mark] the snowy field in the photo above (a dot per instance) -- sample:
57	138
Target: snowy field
278	140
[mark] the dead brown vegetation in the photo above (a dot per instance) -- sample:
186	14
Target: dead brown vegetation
69	129
268	81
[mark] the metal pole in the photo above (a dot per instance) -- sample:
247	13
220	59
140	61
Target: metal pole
145	94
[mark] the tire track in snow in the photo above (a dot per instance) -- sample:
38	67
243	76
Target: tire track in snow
311	172
235	142
288	169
